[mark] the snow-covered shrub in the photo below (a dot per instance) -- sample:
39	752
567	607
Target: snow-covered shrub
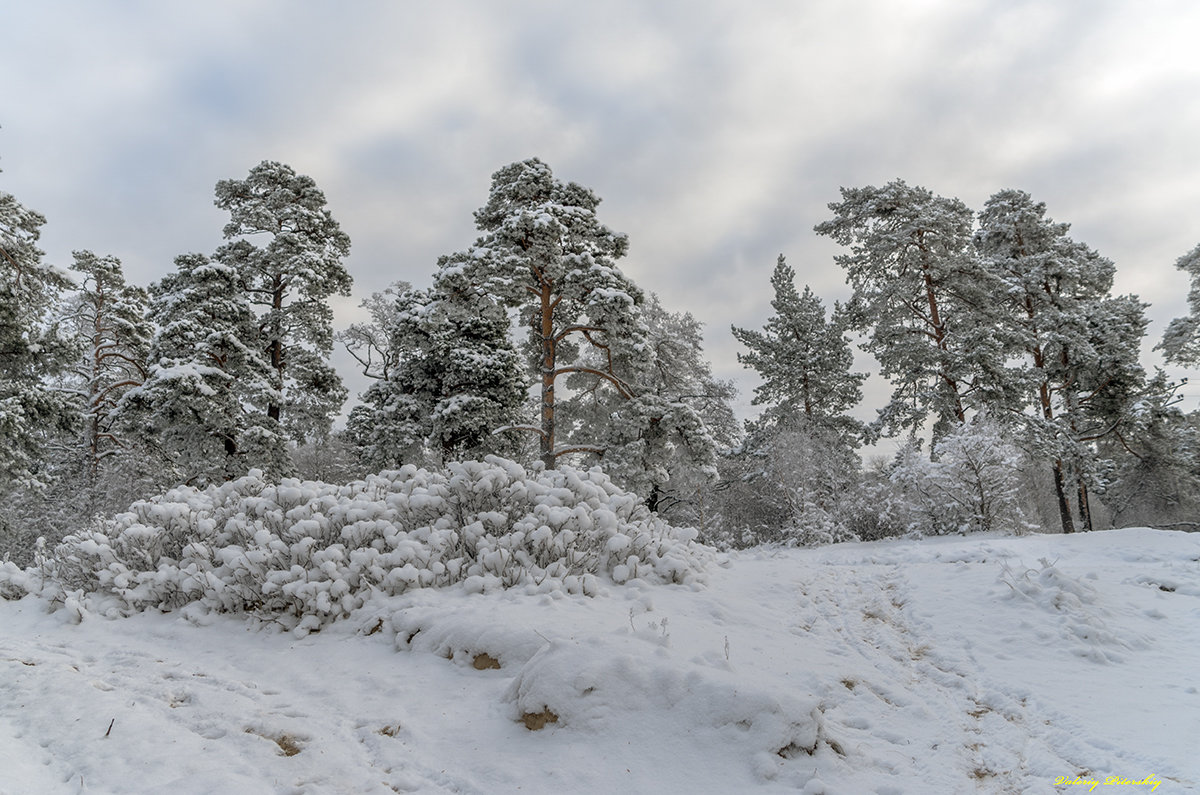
815	526
14	581
798	484
17	582
305	553
916	500
973	484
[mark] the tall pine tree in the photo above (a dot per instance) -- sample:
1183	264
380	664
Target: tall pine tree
923	295
110	318
800	453
1080	345
289	279
803	359
202	410
544	253
33	347
36	417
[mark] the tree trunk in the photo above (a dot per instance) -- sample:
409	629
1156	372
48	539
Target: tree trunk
275	349
1064	506
1085	506
1060	489
939	335
654	499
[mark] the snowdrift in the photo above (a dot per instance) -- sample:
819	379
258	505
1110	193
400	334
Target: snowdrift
990	664
307	553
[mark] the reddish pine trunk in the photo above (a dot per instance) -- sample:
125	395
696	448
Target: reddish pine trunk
939	336
1060	490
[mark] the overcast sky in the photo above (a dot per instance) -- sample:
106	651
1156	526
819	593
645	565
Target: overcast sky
715	132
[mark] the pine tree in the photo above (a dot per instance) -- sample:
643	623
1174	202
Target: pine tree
447	377
33	348
803	360
1181	341
1157	482
799	455
544	253
37	418
479	376
922	293
1108	385
202	410
1080	344
290	279
664	443
110	317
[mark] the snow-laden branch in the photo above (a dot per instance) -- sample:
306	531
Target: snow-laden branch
533	428
625	390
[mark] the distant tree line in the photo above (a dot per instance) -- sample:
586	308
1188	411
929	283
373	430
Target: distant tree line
1017	387
1011	363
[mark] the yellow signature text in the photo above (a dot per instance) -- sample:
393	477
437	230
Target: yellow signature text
1111	781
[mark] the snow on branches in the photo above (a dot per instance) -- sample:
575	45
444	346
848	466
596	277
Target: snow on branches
305	553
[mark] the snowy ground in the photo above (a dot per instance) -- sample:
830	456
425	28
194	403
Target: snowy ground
977	664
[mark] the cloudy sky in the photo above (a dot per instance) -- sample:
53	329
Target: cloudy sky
716	132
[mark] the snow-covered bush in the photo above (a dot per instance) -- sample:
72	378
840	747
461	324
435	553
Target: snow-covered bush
795	485
14	581
973	484
306	553
814	526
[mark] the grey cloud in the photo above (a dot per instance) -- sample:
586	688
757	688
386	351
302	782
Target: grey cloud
715	133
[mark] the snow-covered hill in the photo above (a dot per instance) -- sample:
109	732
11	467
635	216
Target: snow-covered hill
978	664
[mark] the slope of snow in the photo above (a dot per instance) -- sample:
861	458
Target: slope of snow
978	664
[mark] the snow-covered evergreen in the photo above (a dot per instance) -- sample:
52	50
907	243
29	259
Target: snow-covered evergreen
289	279
1181	341
110	318
201	413
544	253
33	344
1157	477
35	351
803	359
798	462
447	376
1081	375
919	290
